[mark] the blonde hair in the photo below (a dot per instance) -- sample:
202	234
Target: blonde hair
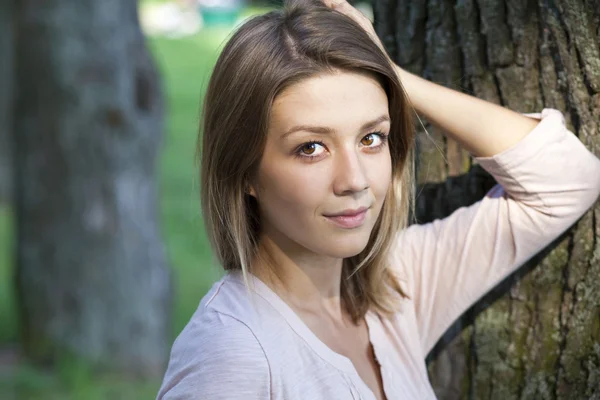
264	56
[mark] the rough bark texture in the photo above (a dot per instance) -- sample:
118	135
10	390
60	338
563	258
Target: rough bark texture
6	80
537	335
91	271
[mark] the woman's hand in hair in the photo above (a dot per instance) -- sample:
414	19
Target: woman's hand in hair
347	9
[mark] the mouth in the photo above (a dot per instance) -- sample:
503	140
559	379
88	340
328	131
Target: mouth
348	219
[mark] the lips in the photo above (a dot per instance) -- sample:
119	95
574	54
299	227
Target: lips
348	219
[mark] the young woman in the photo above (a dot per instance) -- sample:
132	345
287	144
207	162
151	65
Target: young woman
306	188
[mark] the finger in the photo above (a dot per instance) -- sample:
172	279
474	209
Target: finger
330	3
337	4
345	8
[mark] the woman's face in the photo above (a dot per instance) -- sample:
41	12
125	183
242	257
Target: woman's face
326	167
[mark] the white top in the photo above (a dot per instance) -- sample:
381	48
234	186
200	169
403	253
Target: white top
243	345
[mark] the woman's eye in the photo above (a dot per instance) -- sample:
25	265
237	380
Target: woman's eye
372	140
311	149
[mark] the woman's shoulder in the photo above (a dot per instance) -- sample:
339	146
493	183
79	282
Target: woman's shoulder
218	340
210	331
222	334
210	354
227	309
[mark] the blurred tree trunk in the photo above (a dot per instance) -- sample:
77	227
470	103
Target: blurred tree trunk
6	80
92	277
540	339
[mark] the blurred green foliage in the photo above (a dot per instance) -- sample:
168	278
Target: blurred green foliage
8	323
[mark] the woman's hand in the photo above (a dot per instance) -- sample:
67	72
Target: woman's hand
346	8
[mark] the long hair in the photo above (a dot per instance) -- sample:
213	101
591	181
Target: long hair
264	56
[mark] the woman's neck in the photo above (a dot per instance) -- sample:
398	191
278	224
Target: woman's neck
308	282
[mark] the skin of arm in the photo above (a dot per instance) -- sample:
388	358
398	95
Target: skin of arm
481	127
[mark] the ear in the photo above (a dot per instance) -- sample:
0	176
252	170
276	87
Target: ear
250	190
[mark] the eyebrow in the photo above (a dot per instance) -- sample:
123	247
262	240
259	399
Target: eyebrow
322	130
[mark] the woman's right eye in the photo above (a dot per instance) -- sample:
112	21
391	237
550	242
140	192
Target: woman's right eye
310	150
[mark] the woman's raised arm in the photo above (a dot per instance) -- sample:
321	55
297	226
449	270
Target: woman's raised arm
481	127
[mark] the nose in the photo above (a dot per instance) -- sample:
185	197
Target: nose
350	173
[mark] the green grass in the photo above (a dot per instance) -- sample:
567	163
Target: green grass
71	382
8	323
185	65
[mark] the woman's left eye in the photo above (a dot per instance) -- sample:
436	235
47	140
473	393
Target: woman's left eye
374	139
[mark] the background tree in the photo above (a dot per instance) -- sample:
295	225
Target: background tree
92	279
540	337
6	62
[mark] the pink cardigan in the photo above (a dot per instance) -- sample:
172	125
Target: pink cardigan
248	344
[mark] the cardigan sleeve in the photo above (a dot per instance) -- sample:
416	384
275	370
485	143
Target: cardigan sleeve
216	357
546	182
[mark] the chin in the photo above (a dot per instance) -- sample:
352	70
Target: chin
345	247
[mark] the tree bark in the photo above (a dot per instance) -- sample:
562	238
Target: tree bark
537	335
6	83
92	277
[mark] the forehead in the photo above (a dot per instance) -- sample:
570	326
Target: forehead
338	100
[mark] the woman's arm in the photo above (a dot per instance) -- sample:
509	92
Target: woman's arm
481	127
546	182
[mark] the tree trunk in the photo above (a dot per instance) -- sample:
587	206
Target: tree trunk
537	335
6	80
92	277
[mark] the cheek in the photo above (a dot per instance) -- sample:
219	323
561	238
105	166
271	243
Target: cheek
288	190
380	175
